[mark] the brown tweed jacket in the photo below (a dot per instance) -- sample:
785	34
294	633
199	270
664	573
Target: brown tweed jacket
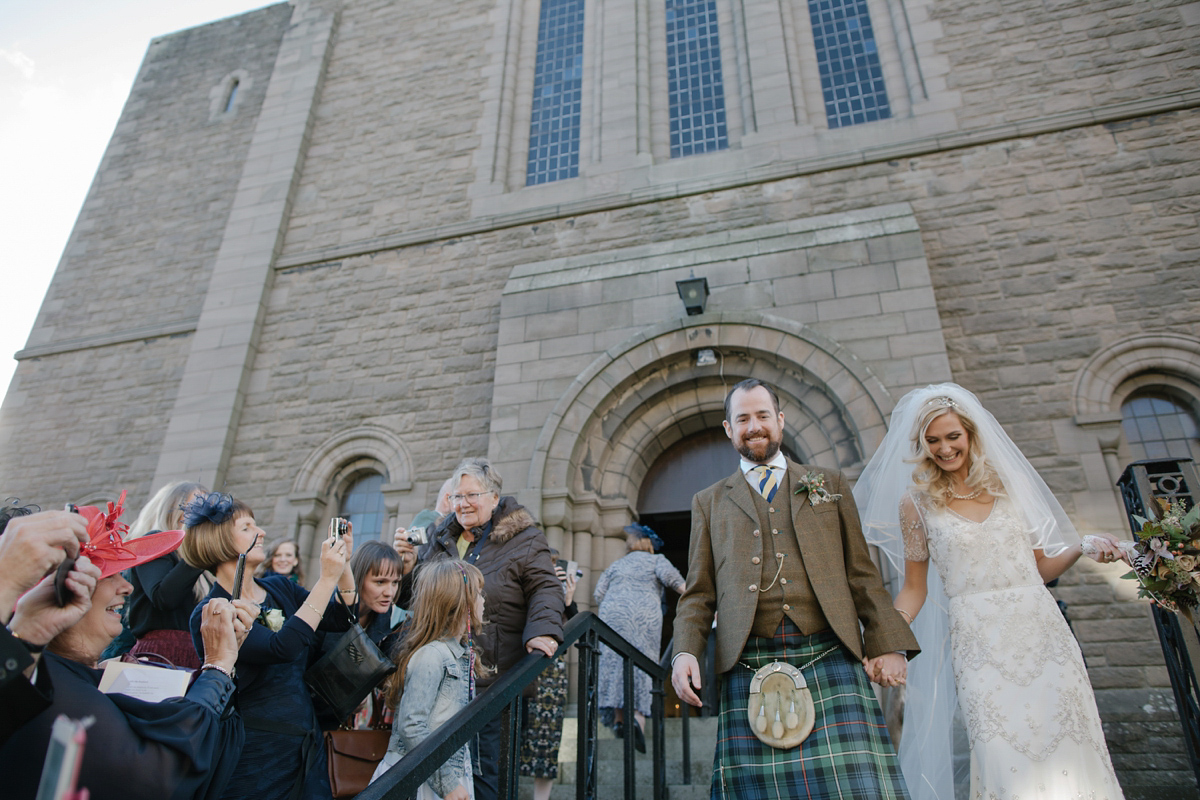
839	567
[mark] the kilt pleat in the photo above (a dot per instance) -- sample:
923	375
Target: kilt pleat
848	754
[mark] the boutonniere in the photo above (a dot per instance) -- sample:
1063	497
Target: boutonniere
814	484
273	619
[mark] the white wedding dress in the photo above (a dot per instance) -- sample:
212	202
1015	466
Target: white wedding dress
1024	692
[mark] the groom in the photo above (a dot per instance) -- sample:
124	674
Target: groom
777	553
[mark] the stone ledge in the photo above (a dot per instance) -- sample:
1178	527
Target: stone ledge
107	339
891	151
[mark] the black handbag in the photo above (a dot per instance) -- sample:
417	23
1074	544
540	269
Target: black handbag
348	672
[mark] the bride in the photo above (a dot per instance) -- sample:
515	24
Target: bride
947	485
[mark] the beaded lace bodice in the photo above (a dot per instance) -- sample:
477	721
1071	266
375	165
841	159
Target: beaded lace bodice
972	556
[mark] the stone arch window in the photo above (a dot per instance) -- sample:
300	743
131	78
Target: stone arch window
1160	422
353	472
225	98
362	503
1124	395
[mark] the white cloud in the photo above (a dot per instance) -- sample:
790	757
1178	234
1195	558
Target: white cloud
22	62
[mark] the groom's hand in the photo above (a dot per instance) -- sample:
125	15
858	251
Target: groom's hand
685	673
889	669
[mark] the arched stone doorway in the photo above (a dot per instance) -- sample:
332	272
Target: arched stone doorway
631	405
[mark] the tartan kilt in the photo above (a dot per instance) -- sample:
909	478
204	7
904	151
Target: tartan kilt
848	754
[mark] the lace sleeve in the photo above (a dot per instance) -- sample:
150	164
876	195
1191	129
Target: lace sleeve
916	546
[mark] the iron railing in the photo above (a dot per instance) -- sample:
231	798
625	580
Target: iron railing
586	632
1172	480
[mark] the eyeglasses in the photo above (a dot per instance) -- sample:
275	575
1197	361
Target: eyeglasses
472	496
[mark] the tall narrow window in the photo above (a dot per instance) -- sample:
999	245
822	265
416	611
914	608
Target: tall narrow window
1158	425
363	506
694	85
233	90
851	76
557	93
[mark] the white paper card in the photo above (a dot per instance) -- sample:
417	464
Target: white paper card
152	684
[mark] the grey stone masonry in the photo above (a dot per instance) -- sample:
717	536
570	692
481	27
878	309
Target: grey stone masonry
204	421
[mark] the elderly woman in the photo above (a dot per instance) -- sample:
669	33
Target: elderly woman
183	748
523	597
630	595
282	757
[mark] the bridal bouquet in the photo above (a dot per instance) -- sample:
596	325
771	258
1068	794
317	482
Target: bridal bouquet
1165	555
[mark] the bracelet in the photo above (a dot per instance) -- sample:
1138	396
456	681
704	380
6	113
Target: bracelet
320	613
228	673
907	615
34	649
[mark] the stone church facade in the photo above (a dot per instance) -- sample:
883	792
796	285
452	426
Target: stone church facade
334	247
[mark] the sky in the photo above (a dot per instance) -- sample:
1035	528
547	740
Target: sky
66	68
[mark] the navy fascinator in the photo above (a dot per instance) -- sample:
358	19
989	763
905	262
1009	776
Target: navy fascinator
214	508
638	531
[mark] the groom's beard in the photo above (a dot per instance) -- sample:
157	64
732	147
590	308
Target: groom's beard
758	451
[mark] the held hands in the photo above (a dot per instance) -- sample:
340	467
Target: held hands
685	674
38	618
1103	548
889	669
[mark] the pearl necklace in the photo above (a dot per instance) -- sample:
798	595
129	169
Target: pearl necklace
970	496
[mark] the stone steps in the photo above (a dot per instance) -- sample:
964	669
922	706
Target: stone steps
610	767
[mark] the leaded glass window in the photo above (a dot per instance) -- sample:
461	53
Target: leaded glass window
363	506
557	93
848	61
1158	425
695	87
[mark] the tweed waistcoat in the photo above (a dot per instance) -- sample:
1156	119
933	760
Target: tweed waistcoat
791	593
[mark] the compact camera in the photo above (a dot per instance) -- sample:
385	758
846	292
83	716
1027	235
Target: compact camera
338	528
416	535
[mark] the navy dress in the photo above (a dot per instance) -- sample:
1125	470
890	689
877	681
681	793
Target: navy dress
184	748
284	757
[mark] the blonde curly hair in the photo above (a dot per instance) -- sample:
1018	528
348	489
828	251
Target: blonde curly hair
931	479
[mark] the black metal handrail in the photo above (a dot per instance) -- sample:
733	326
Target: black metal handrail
586	632
1172	480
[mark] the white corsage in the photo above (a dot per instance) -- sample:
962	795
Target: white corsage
273	619
814	484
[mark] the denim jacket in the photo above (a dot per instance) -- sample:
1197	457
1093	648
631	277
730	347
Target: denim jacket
435	689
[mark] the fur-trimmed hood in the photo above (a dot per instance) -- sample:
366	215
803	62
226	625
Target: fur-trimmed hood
523	597
509	519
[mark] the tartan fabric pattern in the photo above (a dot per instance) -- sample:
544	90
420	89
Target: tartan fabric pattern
848	754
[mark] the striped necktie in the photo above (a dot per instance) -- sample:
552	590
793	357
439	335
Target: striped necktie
766	481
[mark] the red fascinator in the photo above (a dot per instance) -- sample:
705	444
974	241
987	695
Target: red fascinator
108	549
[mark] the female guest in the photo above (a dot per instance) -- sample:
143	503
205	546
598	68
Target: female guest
947	485
376	570
282	757
183	748
283	559
166	589
630	594
524	597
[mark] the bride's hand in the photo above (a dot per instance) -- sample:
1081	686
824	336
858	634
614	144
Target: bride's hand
1103	548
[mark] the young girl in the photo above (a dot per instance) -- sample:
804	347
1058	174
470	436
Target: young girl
436	667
